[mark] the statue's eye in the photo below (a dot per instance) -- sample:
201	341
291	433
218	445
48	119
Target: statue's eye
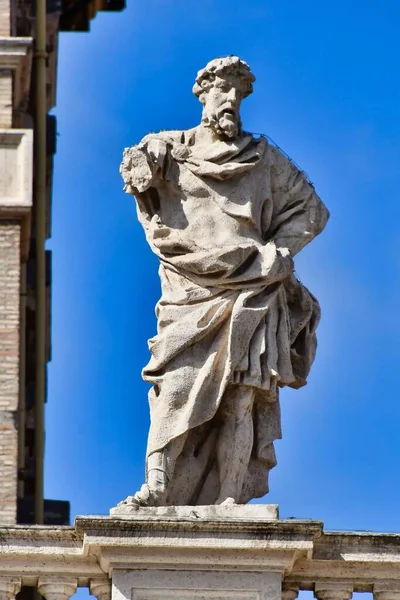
225	87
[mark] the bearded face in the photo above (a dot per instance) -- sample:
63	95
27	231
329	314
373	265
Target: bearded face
222	108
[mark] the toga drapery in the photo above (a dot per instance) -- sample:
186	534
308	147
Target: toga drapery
224	220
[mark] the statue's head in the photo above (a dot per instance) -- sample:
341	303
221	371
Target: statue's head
221	87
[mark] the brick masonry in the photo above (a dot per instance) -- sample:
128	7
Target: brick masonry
9	366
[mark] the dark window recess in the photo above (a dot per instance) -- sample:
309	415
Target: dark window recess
49	191
30	394
49	259
30	441
27	593
76	14
52	6
28	476
115	4
56	512
51	134
31	270
30	353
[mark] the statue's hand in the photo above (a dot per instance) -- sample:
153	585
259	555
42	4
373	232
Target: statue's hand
157	150
144	164
136	170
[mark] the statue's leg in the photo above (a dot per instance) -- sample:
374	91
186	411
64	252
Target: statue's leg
235	441
160	470
161	467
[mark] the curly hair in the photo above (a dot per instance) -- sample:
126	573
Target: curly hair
231	66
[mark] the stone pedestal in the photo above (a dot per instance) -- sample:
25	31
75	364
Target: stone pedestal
175	553
187	584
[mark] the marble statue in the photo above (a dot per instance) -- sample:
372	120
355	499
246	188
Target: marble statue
225	212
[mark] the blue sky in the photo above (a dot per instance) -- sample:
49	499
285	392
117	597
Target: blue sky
327	92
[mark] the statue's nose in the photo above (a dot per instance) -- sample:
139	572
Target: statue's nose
232	95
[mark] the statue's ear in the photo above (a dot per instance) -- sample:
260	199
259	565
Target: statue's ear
205	86
204	92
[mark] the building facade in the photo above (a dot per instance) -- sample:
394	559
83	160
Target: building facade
29	31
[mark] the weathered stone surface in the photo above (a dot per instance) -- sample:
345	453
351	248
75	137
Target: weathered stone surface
147	557
194	585
10	232
15	204
173	556
263	512
16	159
57	588
190	544
15	64
226	213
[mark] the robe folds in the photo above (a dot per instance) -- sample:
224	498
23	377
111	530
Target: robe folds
225	221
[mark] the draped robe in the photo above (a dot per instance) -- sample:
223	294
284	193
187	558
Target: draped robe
225	221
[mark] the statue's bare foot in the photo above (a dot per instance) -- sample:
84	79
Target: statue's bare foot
146	496
129	502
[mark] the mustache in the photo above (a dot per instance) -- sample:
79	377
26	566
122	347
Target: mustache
227	110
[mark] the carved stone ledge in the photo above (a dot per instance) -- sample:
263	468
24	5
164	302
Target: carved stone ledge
16	56
16	154
290	591
100	589
333	590
190	542
12	50
57	588
387	591
333	565
16	159
9	587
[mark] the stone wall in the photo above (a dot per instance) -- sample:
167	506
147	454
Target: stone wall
9	317
6	100
154	555
5	18
9	367
15	205
7	15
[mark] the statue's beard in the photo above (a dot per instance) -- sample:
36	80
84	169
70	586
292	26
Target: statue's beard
223	125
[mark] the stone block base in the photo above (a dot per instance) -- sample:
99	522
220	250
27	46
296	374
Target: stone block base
264	512
197	552
195	585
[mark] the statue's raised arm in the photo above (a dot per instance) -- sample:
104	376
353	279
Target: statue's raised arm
225	212
142	164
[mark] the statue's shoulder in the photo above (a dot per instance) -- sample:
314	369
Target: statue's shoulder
173	136
277	156
281	163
